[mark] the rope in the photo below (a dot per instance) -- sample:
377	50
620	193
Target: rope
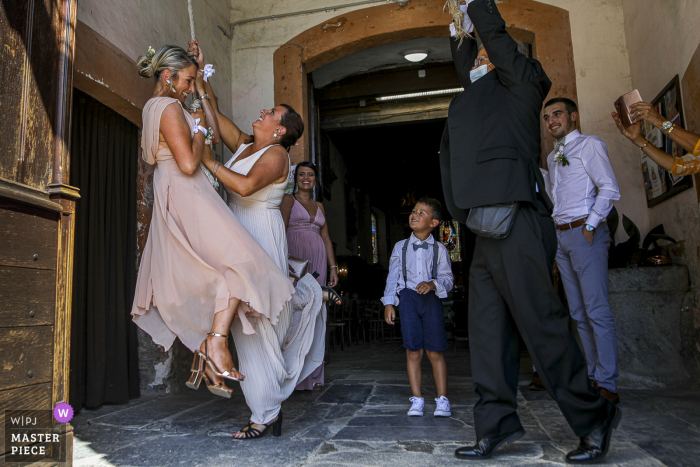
197	103
189	11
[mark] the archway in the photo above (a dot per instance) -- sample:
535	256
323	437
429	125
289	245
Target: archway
546	27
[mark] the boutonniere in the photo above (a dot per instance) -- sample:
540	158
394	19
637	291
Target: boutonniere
560	157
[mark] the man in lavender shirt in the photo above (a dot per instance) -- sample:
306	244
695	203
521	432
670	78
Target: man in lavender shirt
583	188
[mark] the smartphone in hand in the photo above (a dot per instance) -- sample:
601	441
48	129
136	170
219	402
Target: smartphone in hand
623	107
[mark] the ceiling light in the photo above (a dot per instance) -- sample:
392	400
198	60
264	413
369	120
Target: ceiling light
421	94
415	55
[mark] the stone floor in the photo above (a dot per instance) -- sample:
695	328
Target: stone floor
358	419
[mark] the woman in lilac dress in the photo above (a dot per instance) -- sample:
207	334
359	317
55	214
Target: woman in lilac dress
308	238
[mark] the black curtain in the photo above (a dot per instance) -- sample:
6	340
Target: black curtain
104	152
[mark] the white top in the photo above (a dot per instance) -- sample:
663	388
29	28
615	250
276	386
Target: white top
269	197
419	266
587	187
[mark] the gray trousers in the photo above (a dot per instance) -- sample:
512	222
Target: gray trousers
584	273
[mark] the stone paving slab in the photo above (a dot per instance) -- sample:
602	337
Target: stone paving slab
359	419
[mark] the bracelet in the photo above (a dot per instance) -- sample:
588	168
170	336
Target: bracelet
335	266
644	145
670	130
216	167
204	96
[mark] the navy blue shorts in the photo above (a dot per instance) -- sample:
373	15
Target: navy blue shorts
422	321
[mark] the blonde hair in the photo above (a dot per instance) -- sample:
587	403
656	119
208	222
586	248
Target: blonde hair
169	57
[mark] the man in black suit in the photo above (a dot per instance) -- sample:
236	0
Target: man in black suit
490	155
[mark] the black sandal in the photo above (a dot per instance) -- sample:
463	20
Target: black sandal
332	295
254	433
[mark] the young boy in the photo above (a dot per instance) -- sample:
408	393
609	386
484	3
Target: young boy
420	274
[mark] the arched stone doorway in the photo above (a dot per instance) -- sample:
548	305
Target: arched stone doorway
546	27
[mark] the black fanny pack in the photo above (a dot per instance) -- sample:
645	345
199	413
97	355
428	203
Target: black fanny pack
495	221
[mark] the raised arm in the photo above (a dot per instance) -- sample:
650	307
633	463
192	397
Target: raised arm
513	68
464	54
229	132
644	111
207	106
187	149
330	254
634	134
272	167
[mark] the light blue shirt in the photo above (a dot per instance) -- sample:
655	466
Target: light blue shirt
587	187
419	266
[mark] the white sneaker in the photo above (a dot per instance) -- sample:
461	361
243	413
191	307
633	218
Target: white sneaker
417	406
442	407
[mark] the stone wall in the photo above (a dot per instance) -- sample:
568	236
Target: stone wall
650	306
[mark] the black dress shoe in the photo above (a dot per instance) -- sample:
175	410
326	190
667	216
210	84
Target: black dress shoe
594	446
484	448
536	384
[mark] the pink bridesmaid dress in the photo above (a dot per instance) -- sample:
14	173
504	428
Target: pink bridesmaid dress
198	254
304	241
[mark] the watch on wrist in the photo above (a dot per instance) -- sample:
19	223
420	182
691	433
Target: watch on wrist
667	125
590	228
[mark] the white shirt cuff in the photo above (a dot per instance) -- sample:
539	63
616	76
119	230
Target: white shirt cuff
593	219
390	300
467	24
439	289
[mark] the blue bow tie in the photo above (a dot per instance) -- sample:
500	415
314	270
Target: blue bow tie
423	245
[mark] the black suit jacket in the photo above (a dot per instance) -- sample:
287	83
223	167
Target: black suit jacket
490	148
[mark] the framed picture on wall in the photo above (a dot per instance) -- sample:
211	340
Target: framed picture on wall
659	184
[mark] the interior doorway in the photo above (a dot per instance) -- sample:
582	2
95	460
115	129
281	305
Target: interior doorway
104	159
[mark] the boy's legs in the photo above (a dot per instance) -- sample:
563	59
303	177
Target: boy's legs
412	332
413	360
437	360
435	339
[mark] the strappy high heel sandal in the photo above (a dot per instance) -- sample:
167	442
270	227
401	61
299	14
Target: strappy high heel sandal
254	433
332	295
198	372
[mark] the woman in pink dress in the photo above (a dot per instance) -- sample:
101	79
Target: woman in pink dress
308	238
200	267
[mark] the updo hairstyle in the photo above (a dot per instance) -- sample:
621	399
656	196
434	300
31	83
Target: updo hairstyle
169	57
294	124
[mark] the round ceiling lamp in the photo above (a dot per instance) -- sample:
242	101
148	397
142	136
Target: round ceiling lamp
415	55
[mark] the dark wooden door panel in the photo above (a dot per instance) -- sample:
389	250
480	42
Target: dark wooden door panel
26	356
13	31
28	239
41	94
36	397
27	296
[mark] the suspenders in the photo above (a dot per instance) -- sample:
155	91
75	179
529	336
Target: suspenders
433	274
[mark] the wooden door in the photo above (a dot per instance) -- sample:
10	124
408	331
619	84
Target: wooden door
36	205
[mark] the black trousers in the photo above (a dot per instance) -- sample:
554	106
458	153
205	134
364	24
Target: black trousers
511	291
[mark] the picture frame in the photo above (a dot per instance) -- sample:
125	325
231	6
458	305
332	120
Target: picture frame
660	184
